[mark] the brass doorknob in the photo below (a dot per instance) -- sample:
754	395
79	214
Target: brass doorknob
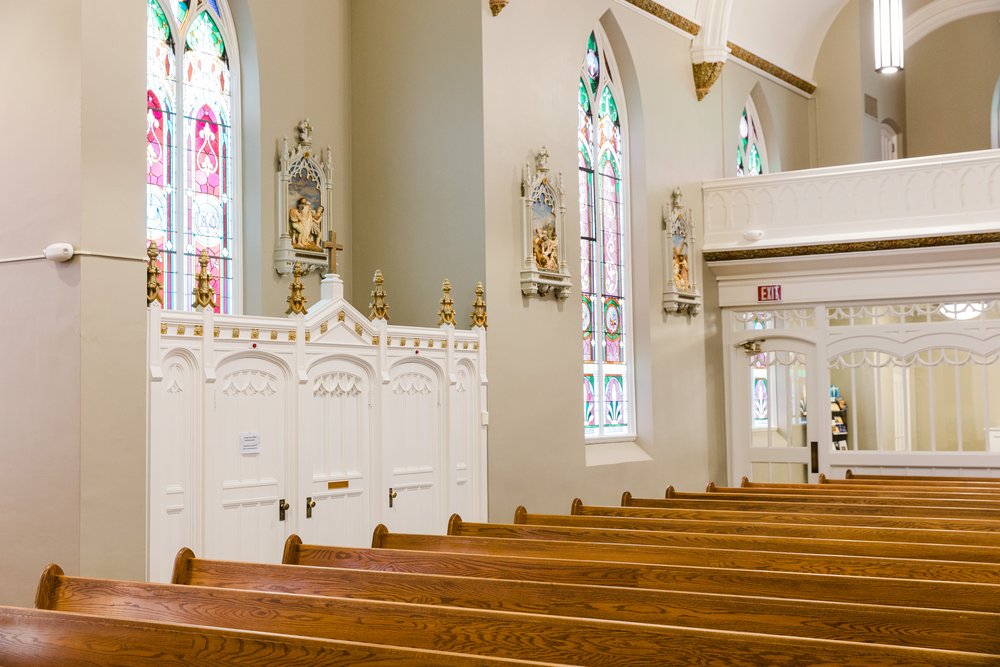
310	504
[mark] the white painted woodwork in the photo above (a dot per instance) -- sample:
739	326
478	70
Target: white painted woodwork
926	196
361	402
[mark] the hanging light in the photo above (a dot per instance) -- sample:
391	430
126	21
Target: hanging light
888	36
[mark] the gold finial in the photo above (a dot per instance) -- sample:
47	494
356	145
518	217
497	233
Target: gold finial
479	308
379	308
297	300
152	276
496	6
447	314
204	295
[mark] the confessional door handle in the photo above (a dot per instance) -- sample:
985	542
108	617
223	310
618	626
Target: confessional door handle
310	504
392	495
282	508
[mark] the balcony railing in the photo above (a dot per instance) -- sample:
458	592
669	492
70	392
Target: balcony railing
915	197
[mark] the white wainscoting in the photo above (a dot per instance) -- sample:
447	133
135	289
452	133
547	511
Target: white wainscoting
927	196
248	413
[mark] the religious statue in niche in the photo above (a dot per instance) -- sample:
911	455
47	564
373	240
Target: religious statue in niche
542	269
680	294
304	225
305	192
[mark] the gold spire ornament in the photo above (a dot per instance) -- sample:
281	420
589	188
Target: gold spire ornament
379	308
153	272
479	308
297	300
204	295
447	313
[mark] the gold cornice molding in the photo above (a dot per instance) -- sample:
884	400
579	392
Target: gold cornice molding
687	25
852	246
664	14
779	73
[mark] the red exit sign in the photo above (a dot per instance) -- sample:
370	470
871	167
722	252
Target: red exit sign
768	293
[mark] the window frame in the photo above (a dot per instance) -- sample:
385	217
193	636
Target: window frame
224	22
611	78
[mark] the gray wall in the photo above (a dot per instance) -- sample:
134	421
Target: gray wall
417	153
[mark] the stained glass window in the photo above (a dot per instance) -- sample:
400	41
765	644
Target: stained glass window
751	155
189	159
603	272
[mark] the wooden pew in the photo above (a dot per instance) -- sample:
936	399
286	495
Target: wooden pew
861	566
795	504
936	507
903	626
918	482
934	478
974	487
865	490
812	516
475	632
837	588
803	532
36	637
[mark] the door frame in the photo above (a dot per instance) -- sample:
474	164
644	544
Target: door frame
802	341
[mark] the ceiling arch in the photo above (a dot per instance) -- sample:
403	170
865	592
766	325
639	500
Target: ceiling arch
939	13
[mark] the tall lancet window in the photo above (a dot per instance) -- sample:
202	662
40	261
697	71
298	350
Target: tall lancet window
190	138
604	271
751	154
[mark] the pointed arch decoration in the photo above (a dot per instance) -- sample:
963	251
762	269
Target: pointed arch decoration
192	142
604	268
751	152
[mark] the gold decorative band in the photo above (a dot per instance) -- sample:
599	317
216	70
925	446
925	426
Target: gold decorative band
687	25
749	58
664	14
852	246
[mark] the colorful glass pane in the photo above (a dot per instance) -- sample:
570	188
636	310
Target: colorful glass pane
615	401
592	64
161	86
589	403
602	238
187	217
759	398
750	145
204	37
208	161
588	329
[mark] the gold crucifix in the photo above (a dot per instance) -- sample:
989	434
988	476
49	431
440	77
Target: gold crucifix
332	247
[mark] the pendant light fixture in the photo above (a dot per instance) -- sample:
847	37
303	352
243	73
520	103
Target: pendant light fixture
888	36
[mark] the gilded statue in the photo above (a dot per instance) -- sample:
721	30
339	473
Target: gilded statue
305	225
682	274
546	248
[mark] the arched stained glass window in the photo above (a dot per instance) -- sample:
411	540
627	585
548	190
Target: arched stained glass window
751	154
606	320
189	68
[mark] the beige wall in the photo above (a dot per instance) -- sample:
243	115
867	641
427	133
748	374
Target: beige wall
301	51
844	74
532	55
72	409
417	154
950	78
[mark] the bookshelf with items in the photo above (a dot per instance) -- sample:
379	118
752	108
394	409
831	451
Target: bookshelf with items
838	418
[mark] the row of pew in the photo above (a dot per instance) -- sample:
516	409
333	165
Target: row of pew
860	571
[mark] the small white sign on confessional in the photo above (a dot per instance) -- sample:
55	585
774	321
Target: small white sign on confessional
249	442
